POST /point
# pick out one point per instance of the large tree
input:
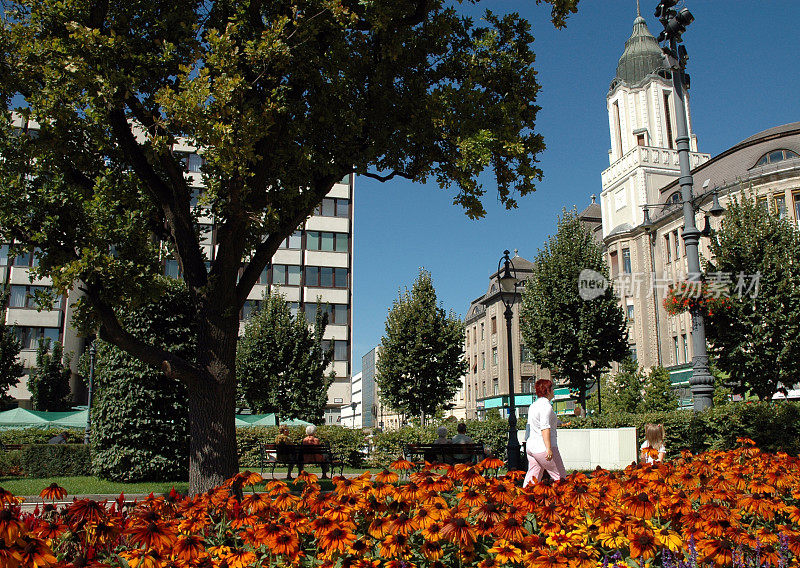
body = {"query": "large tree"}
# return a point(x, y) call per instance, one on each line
point(281, 362)
point(48, 383)
point(623, 391)
point(658, 392)
point(11, 368)
point(756, 339)
point(421, 361)
point(576, 338)
point(283, 99)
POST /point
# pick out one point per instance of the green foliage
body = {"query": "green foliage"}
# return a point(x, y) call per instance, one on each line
point(55, 460)
point(421, 353)
point(775, 426)
point(273, 93)
point(49, 381)
point(38, 435)
point(576, 339)
point(10, 462)
point(280, 362)
point(659, 396)
point(11, 368)
point(139, 416)
point(722, 392)
point(623, 392)
point(756, 340)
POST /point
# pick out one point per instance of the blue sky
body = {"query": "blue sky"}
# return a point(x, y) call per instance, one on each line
point(745, 78)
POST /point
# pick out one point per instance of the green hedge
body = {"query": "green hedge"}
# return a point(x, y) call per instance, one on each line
point(10, 463)
point(55, 460)
point(39, 435)
point(774, 426)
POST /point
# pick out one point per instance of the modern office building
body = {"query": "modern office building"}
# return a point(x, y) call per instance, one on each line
point(313, 265)
point(643, 173)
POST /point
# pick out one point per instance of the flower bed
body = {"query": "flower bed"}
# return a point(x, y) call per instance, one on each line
point(717, 508)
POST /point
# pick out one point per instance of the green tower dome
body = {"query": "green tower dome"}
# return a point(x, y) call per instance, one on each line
point(642, 55)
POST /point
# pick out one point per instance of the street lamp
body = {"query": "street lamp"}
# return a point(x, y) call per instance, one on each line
point(353, 405)
point(675, 22)
point(92, 353)
point(508, 292)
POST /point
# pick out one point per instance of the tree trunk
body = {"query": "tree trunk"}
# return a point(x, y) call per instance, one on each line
point(213, 455)
point(212, 450)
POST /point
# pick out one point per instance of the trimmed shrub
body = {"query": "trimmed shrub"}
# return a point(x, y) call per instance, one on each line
point(39, 435)
point(10, 462)
point(55, 460)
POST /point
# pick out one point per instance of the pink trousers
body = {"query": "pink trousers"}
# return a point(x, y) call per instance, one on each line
point(537, 464)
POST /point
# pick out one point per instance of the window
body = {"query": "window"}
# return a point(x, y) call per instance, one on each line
point(677, 243)
point(629, 308)
point(326, 277)
point(483, 387)
point(324, 241)
point(495, 387)
point(796, 198)
point(494, 356)
point(286, 275)
point(337, 313)
point(467, 340)
point(25, 297)
point(483, 360)
point(675, 342)
point(762, 202)
point(340, 349)
point(776, 156)
point(667, 248)
point(626, 260)
point(618, 128)
point(483, 335)
point(23, 259)
point(525, 354)
point(527, 385)
point(189, 161)
point(634, 356)
point(685, 348)
point(333, 207)
point(29, 337)
point(263, 278)
point(172, 269)
point(612, 262)
point(640, 140)
point(494, 325)
point(293, 241)
point(780, 206)
point(670, 143)
point(250, 307)
point(4, 255)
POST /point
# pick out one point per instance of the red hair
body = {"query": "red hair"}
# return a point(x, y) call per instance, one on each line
point(543, 386)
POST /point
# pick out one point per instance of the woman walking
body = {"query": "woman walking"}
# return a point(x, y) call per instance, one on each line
point(542, 444)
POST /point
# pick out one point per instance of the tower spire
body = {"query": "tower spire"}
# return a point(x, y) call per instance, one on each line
point(638, 11)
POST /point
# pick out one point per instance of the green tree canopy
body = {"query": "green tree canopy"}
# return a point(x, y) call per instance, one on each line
point(755, 340)
point(49, 381)
point(281, 362)
point(11, 368)
point(576, 338)
point(658, 392)
point(283, 99)
point(140, 419)
point(421, 360)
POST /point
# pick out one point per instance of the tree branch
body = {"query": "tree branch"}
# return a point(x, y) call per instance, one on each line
point(111, 330)
point(395, 173)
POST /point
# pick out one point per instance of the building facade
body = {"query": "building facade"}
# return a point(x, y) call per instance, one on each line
point(643, 174)
point(314, 265)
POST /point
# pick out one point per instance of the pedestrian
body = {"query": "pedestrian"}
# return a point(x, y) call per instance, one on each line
point(542, 445)
point(653, 448)
point(311, 439)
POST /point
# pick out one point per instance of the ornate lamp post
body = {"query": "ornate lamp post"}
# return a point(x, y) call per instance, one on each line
point(675, 22)
point(92, 353)
point(508, 293)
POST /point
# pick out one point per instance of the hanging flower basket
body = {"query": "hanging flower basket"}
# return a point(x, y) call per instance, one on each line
point(687, 295)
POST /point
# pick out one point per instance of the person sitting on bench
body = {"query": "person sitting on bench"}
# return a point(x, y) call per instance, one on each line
point(461, 438)
point(312, 440)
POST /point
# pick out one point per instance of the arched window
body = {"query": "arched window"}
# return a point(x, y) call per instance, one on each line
point(674, 198)
point(776, 156)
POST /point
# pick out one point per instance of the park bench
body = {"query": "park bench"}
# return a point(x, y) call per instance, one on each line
point(443, 453)
point(10, 447)
point(298, 455)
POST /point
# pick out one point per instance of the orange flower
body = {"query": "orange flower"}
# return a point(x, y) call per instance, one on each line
point(506, 552)
point(336, 540)
point(10, 526)
point(511, 529)
point(639, 505)
point(53, 492)
point(401, 464)
point(718, 550)
point(642, 543)
point(394, 545)
point(459, 531)
point(34, 553)
point(188, 547)
point(87, 510)
point(432, 549)
point(387, 476)
point(286, 543)
point(152, 535)
point(138, 558)
point(545, 559)
point(240, 558)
